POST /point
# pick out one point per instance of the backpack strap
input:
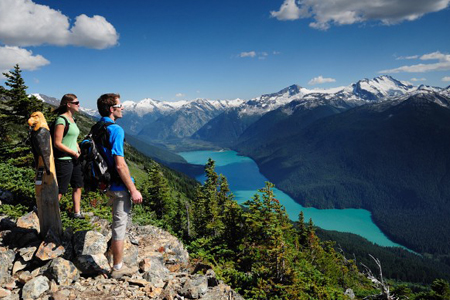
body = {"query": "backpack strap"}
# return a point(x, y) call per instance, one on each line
point(100, 134)
point(66, 124)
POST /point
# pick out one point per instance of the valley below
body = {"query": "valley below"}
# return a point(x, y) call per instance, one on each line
point(245, 179)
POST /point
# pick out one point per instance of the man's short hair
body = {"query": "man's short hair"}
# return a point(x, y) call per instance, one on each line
point(105, 102)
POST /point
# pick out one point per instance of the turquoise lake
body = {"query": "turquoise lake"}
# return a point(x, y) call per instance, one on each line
point(245, 179)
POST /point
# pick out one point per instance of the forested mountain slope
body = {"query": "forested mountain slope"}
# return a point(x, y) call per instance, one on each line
point(390, 158)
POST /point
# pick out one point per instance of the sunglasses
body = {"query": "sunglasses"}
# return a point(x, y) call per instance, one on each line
point(117, 105)
point(75, 102)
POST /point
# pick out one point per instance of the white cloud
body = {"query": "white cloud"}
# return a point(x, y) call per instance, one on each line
point(276, 53)
point(407, 57)
point(343, 12)
point(418, 79)
point(443, 64)
point(25, 23)
point(93, 32)
point(248, 54)
point(179, 95)
point(10, 56)
point(320, 80)
point(261, 55)
point(288, 11)
point(446, 79)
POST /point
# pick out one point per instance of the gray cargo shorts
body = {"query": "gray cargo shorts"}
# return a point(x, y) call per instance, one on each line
point(121, 202)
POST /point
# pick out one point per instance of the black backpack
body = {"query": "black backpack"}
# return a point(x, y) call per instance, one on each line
point(56, 152)
point(96, 172)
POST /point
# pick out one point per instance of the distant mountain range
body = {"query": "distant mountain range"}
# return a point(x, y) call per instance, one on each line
point(158, 120)
point(379, 144)
point(154, 120)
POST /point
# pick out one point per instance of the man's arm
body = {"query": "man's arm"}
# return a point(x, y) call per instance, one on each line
point(124, 173)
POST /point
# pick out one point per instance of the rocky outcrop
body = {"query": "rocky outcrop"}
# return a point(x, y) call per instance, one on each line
point(77, 266)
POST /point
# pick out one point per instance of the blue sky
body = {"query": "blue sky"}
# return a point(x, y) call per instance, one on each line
point(174, 50)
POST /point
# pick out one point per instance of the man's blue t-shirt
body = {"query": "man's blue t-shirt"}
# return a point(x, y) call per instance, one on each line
point(116, 140)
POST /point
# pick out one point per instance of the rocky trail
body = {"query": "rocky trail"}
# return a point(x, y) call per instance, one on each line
point(77, 266)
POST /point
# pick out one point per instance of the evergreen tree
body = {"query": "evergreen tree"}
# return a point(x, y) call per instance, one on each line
point(267, 246)
point(440, 290)
point(158, 200)
point(301, 229)
point(21, 105)
point(3, 114)
point(209, 203)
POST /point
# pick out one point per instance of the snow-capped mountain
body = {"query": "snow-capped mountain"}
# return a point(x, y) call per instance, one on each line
point(304, 104)
point(381, 87)
point(171, 118)
point(186, 119)
point(165, 119)
point(148, 105)
point(47, 99)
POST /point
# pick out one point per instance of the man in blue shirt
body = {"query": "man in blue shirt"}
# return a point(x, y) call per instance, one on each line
point(122, 190)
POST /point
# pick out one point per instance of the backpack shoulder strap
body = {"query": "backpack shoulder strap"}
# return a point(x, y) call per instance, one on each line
point(66, 124)
point(99, 132)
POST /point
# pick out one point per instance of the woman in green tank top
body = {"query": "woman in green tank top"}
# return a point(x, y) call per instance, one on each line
point(66, 151)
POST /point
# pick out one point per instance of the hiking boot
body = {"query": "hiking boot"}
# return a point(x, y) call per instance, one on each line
point(124, 271)
point(78, 215)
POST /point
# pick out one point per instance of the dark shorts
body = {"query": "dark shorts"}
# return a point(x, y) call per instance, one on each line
point(68, 171)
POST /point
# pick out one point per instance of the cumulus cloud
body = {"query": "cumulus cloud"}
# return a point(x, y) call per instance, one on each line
point(418, 79)
point(10, 56)
point(25, 23)
point(443, 64)
point(93, 32)
point(320, 80)
point(288, 11)
point(248, 54)
point(179, 95)
point(343, 12)
point(446, 79)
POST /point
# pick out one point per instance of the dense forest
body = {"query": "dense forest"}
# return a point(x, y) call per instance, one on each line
point(255, 248)
point(390, 158)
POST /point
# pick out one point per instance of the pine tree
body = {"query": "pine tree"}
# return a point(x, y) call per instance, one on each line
point(268, 245)
point(22, 106)
point(301, 229)
point(157, 196)
point(206, 206)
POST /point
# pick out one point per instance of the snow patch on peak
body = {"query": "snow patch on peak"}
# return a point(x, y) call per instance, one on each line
point(380, 87)
point(38, 96)
point(128, 103)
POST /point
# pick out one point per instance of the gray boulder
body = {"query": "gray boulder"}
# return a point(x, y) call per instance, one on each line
point(90, 248)
point(92, 264)
point(63, 271)
point(156, 273)
point(195, 287)
point(6, 259)
point(35, 287)
point(89, 243)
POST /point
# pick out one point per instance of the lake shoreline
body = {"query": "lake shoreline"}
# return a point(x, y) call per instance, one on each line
point(245, 178)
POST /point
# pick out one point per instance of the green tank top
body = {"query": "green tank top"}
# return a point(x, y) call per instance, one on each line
point(70, 139)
